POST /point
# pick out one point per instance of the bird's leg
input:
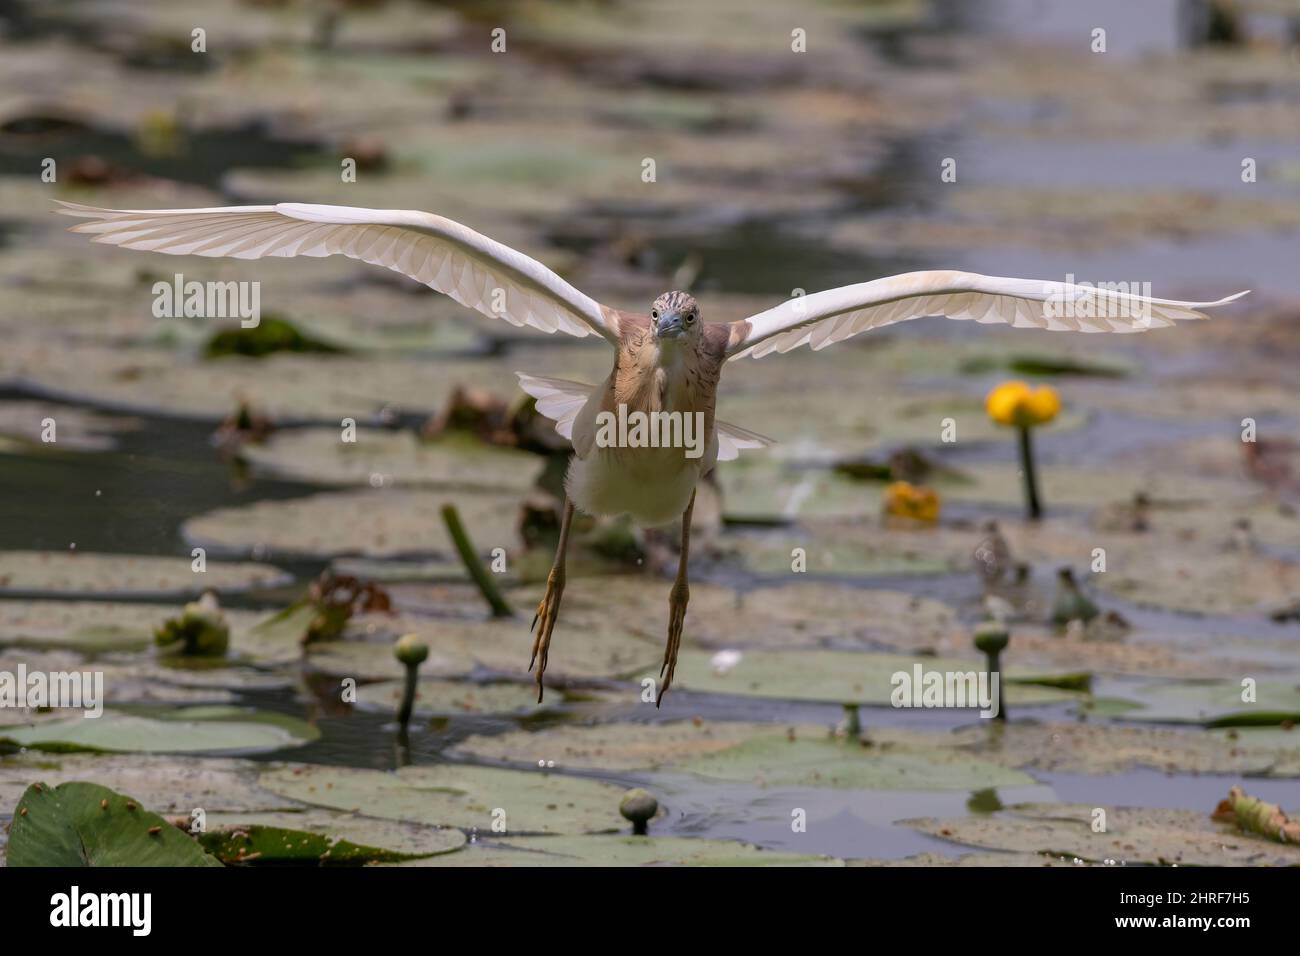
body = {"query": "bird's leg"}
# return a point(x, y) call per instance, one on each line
point(549, 607)
point(677, 601)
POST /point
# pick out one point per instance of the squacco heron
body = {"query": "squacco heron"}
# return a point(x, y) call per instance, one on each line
point(667, 361)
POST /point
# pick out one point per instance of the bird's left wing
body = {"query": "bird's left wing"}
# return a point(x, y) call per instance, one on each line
point(825, 318)
point(476, 271)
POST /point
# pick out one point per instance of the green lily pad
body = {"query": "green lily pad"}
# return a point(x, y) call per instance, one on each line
point(855, 548)
point(83, 824)
point(65, 573)
point(1000, 483)
point(318, 456)
point(459, 796)
point(1217, 703)
point(323, 838)
point(612, 747)
point(585, 645)
point(176, 785)
point(1132, 836)
point(1101, 748)
point(75, 429)
point(817, 760)
point(615, 850)
point(835, 676)
point(435, 697)
point(995, 859)
point(189, 730)
point(375, 523)
point(1203, 582)
point(760, 754)
point(95, 627)
point(812, 612)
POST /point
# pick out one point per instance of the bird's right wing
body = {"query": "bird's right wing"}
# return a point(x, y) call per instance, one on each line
point(476, 271)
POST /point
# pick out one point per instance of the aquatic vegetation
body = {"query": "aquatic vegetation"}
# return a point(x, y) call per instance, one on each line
point(905, 500)
point(638, 807)
point(1016, 405)
point(200, 630)
point(84, 824)
point(410, 653)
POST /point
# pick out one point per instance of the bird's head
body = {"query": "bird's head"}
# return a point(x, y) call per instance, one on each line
point(675, 315)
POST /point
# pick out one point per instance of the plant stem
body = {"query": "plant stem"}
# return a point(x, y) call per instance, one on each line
point(994, 666)
point(408, 695)
point(480, 575)
point(1031, 477)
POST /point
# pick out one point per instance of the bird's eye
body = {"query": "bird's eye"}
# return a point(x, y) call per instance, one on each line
point(690, 317)
point(654, 313)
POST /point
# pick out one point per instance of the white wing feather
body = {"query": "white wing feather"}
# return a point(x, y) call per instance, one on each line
point(444, 255)
point(557, 399)
point(828, 317)
point(561, 400)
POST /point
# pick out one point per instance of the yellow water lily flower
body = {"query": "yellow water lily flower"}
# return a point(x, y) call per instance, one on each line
point(1015, 403)
point(905, 500)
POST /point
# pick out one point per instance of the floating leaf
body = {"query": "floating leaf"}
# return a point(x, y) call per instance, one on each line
point(836, 676)
point(374, 523)
point(1164, 837)
point(1217, 703)
point(76, 573)
point(444, 697)
point(458, 796)
point(191, 730)
point(316, 456)
point(84, 824)
point(169, 784)
point(614, 850)
point(323, 838)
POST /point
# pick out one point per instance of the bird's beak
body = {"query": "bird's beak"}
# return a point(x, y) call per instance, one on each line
point(668, 325)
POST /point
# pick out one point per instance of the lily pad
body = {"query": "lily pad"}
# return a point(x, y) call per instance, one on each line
point(435, 697)
point(836, 676)
point(75, 429)
point(401, 458)
point(1217, 703)
point(176, 785)
point(460, 796)
point(1132, 836)
point(1197, 581)
point(83, 824)
point(760, 754)
point(615, 850)
point(94, 627)
point(322, 838)
point(1100, 748)
point(189, 730)
point(585, 645)
point(856, 548)
point(376, 523)
point(64, 573)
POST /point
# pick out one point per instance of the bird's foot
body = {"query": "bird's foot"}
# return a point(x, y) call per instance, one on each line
point(681, 595)
point(548, 610)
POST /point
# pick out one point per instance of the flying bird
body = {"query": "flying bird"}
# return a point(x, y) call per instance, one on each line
point(666, 360)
